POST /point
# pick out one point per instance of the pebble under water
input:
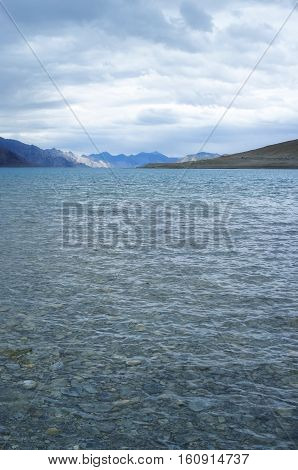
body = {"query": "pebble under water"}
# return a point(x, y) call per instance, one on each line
point(153, 346)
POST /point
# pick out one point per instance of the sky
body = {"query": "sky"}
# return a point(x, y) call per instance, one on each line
point(149, 75)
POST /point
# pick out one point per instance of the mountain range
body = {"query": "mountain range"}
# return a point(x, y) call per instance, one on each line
point(30, 155)
point(15, 153)
point(282, 155)
point(131, 161)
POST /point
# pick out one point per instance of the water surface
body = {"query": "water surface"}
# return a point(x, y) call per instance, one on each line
point(154, 345)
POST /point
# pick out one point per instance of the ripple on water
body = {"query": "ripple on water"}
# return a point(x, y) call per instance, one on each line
point(163, 347)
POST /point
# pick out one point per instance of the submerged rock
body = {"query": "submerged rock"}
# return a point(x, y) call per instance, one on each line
point(72, 392)
point(125, 402)
point(15, 354)
point(57, 365)
point(53, 431)
point(3, 430)
point(153, 388)
point(197, 404)
point(13, 366)
point(90, 389)
point(28, 365)
point(284, 412)
point(3, 309)
point(29, 384)
point(140, 327)
point(107, 427)
point(133, 362)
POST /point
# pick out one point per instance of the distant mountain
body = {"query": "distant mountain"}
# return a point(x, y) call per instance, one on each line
point(283, 155)
point(11, 159)
point(198, 156)
point(131, 161)
point(15, 153)
point(35, 156)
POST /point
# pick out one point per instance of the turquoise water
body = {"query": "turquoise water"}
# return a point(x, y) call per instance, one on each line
point(136, 336)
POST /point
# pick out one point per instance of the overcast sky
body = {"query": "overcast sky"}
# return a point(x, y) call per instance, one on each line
point(146, 75)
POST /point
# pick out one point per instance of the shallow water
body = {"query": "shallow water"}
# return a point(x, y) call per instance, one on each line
point(154, 344)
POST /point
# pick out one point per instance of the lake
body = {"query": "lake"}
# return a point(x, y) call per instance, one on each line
point(148, 309)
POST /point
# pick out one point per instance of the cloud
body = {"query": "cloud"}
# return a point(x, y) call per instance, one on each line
point(157, 117)
point(252, 33)
point(148, 75)
point(119, 18)
point(195, 17)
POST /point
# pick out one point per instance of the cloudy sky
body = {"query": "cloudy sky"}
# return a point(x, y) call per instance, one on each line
point(149, 75)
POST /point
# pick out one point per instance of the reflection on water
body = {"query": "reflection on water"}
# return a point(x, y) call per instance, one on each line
point(148, 347)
